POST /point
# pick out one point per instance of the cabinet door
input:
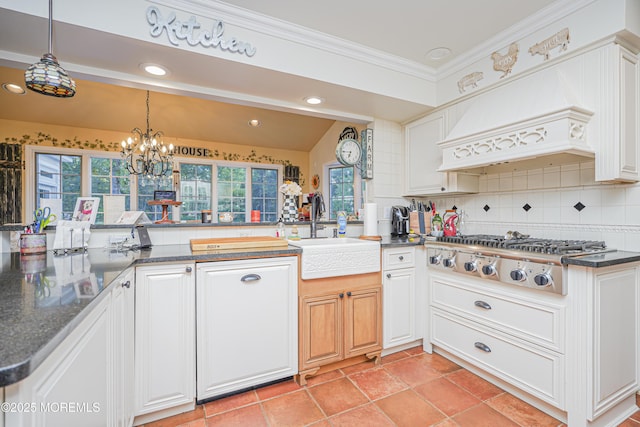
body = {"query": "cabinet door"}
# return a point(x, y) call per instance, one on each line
point(165, 337)
point(363, 317)
point(321, 330)
point(399, 318)
point(77, 373)
point(247, 324)
point(424, 157)
point(123, 352)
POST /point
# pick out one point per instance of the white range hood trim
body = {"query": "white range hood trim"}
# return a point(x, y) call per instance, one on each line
point(557, 132)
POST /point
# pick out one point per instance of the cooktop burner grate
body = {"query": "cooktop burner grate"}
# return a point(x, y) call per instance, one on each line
point(528, 244)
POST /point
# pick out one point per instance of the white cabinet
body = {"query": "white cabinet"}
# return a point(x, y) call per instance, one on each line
point(82, 383)
point(403, 302)
point(424, 157)
point(164, 340)
point(247, 324)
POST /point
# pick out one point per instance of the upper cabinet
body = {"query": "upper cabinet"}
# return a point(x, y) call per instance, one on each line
point(424, 157)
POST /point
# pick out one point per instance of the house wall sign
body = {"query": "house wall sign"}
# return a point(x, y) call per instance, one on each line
point(191, 33)
point(192, 151)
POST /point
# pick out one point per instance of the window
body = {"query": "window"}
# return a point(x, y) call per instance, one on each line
point(341, 190)
point(264, 193)
point(109, 177)
point(195, 190)
point(146, 187)
point(58, 177)
point(232, 197)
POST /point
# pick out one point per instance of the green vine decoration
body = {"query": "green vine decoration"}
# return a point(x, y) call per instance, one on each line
point(98, 144)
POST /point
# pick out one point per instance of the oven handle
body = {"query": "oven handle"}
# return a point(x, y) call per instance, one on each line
point(482, 304)
point(482, 347)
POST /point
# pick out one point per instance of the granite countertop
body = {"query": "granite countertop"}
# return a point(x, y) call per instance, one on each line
point(44, 297)
point(390, 242)
point(604, 259)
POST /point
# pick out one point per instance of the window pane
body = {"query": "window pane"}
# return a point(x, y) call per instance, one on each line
point(231, 187)
point(146, 187)
point(341, 191)
point(58, 177)
point(195, 190)
point(264, 193)
point(109, 177)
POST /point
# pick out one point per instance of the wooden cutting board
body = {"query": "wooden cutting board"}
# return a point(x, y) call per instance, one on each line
point(238, 243)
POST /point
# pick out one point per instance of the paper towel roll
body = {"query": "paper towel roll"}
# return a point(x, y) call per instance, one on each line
point(370, 219)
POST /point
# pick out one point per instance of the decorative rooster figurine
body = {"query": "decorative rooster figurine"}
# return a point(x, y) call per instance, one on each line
point(505, 62)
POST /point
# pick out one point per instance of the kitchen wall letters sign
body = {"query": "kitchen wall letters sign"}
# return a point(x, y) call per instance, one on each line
point(177, 30)
point(366, 170)
point(470, 80)
point(192, 151)
point(505, 62)
point(561, 38)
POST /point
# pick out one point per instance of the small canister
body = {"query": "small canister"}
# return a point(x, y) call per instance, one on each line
point(255, 216)
point(206, 216)
point(33, 243)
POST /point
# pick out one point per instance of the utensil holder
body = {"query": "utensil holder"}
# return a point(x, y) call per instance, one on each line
point(33, 243)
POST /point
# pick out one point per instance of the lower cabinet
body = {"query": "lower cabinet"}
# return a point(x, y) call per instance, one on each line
point(247, 324)
point(86, 379)
point(341, 321)
point(165, 361)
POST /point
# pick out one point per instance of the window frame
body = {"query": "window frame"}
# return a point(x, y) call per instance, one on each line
point(326, 187)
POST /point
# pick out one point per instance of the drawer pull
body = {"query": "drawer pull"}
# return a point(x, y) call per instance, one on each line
point(482, 347)
point(250, 278)
point(401, 258)
point(482, 304)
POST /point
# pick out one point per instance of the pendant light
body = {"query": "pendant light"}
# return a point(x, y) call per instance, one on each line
point(47, 76)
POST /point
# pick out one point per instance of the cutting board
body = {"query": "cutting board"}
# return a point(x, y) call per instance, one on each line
point(238, 243)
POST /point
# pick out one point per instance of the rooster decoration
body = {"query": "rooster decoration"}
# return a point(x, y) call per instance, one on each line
point(505, 62)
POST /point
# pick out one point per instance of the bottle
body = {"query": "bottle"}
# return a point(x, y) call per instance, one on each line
point(436, 225)
point(280, 231)
point(342, 224)
point(294, 233)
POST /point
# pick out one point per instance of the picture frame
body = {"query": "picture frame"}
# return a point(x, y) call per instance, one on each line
point(87, 287)
point(86, 209)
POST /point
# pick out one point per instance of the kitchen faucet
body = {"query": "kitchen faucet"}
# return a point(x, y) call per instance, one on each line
point(317, 208)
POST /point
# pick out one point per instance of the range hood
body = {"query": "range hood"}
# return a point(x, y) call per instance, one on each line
point(528, 118)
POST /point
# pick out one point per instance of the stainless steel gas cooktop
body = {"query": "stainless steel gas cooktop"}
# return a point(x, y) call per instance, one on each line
point(514, 259)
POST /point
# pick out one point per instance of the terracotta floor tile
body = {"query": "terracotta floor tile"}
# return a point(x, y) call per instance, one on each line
point(179, 419)
point(293, 409)
point(323, 378)
point(635, 416)
point(475, 385)
point(277, 389)
point(629, 423)
point(482, 416)
point(413, 370)
point(415, 350)
point(369, 415)
point(447, 396)
point(200, 422)
point(407, 409)
point(229, 403)
point(359, 367)
point(394, 357)
point(377, 383)
point(243, 417)
point(337, 396)
point(521, 412)
point(447, 423)
point(439, 363)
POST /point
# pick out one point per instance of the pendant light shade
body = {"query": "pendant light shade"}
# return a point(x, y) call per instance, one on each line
point(47, 76)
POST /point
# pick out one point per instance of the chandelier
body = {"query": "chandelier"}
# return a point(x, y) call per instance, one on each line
point(47, 76)
point(145, 152)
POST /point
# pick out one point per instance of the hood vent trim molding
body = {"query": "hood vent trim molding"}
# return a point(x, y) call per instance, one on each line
point(561, 131)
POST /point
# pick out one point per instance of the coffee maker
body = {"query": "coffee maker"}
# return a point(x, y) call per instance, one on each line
point(399, 221)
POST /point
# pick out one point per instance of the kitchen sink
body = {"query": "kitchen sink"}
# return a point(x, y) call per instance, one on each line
point(331, 257)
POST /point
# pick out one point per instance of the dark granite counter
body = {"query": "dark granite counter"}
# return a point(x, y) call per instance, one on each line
point(390, 242)
point(44, 297)
point(604, 259)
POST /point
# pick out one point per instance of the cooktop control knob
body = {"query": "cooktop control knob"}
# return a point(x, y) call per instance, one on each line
point(435, 259)
point(519, 275)
point(489, 270)
point(449, 262)
point(471, 266)
point(543, 279)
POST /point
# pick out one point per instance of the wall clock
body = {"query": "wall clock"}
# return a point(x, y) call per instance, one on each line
point(348, 152)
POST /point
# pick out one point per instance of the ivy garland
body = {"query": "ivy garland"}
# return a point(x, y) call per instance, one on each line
point(98, 144)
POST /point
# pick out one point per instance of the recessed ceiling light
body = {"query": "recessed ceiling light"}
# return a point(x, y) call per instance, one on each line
point(154, 69)
point(438, 53)
point(254, 123)
point(13, 88)
point(313, 100)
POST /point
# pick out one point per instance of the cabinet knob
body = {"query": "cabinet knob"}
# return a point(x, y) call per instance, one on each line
point(388, 275)
point(126, 284)
point(401, 258)
point(189, 269)
point(349, 293)
point(442, 188)
point(341, 295)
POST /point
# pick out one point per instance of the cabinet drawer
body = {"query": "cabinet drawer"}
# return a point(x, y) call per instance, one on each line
point(527, 319)
point(536, 371)
point(398, 258)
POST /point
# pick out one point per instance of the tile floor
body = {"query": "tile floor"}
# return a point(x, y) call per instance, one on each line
point(409, 388)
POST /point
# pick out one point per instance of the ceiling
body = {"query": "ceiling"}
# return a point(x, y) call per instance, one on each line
point(188, 104)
